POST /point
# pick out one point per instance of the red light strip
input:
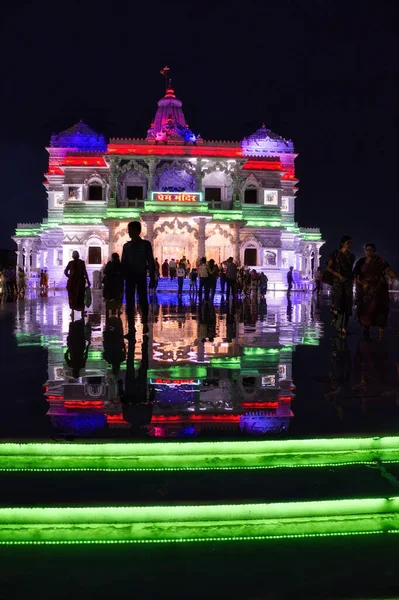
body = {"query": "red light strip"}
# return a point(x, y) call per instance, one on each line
point(116, 419)
point(197, 418)
point(84, 161)
point(83, 404)
point(175, 381)
point(259, 404)
point(263, 165)
point(164, 149)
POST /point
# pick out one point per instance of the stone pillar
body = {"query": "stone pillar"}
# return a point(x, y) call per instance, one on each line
point(237, 180)
point(237, 227)
point(28, 247)
point(19, 254)
point(201, 236)
point(150, 220)
point(198, 174)
point(152, 165)
point(113, 187)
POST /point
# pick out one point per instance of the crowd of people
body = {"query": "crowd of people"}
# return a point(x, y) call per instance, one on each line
point(12, 284)
point(369, 276)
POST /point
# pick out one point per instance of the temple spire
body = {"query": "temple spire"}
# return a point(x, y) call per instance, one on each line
point(168, 81)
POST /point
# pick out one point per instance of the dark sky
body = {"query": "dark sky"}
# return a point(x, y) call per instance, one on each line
point(321, 72)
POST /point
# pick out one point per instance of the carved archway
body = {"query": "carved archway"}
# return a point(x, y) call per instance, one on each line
point(175, 226)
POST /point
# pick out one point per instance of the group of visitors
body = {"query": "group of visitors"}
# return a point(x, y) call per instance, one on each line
point(12, 284)
point(369, 275)
point(170, 268)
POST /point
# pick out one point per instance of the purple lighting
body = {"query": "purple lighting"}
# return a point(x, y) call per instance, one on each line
point(79, 137)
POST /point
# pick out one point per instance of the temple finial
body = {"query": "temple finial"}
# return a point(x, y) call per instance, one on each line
point(165, 73)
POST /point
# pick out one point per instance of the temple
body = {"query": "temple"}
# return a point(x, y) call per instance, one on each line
point(194, 198)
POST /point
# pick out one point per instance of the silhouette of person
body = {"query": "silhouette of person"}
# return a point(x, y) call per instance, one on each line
point(114, 344)
point(137, 403)
point(137, 259)
point(78, 347)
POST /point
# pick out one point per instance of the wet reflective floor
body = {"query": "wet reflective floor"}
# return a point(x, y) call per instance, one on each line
point(217, 371)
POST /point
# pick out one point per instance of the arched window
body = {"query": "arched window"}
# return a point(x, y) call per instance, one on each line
point(94, 256)
point(251, 195)
point(250, 257)
point(95, 192)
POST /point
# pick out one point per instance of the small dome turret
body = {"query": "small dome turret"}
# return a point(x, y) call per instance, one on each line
point(79, 137)
point(265, 143)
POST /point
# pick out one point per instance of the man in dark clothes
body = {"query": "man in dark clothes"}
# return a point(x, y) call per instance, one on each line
point(137, 259)
point(136, 398)
point(290, 279)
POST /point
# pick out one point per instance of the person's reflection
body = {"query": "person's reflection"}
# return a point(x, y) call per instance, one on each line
point(211, 322)
point(340, 375)
point(114, 344)
point(289, 308)
point(372, 371)
point(78, 347)
point(231, 323)
point(262, 309)
point(137, 405)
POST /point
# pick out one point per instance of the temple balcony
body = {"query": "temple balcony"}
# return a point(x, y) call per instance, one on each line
point(129, 203)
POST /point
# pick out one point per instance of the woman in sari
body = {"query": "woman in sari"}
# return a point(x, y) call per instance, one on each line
point(340, 265)
point(113, 284)
point(372, 290)
point(77, 280)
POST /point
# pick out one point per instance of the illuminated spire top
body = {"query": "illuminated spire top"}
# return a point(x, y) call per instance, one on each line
point(169, 122)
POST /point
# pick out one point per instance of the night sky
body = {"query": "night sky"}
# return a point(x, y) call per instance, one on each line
point(321, 72)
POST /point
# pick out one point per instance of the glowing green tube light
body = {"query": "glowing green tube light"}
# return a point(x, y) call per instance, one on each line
point(197, 455)
point(146, 524)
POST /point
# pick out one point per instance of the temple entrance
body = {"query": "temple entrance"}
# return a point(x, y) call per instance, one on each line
point(169, 252)
point(213, 252)
point(250, 257)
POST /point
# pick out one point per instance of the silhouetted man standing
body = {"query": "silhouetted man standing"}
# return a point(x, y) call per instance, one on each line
point(290, 279)
point(137, 259)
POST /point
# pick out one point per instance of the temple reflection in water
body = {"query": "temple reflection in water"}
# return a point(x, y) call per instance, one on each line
point(216, 370)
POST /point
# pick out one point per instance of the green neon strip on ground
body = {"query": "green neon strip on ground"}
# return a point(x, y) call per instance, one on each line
point(198, 523)
point(198, 455)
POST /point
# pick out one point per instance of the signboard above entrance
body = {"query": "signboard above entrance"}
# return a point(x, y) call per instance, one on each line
point(176, 196)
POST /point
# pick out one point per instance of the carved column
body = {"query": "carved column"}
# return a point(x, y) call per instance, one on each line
point(152, 165)
point(237, 227)
point(19, 254)
point(237, 180)
point(198, 174)
point(113, 182)
point(28, 246)
point(201, 236)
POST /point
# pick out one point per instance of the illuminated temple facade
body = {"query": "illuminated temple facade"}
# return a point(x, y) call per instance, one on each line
point(193, 197)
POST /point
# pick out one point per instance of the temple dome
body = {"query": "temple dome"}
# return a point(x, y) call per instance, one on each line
point(80, 137)
point(265, 143)
point(169, 122)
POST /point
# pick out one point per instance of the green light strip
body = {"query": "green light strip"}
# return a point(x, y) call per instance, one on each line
point(160, 469)
point(253, 538)
point(199, 523)
point(198, 455)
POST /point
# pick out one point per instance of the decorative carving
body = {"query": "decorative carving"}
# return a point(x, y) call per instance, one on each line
point(175, 226)
point(175, 176)
point(219, 229)
point(250, 181)
point(251, 239)
point(175, 164)
point(132, 165)
point(217, 166)
point(95, 176)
